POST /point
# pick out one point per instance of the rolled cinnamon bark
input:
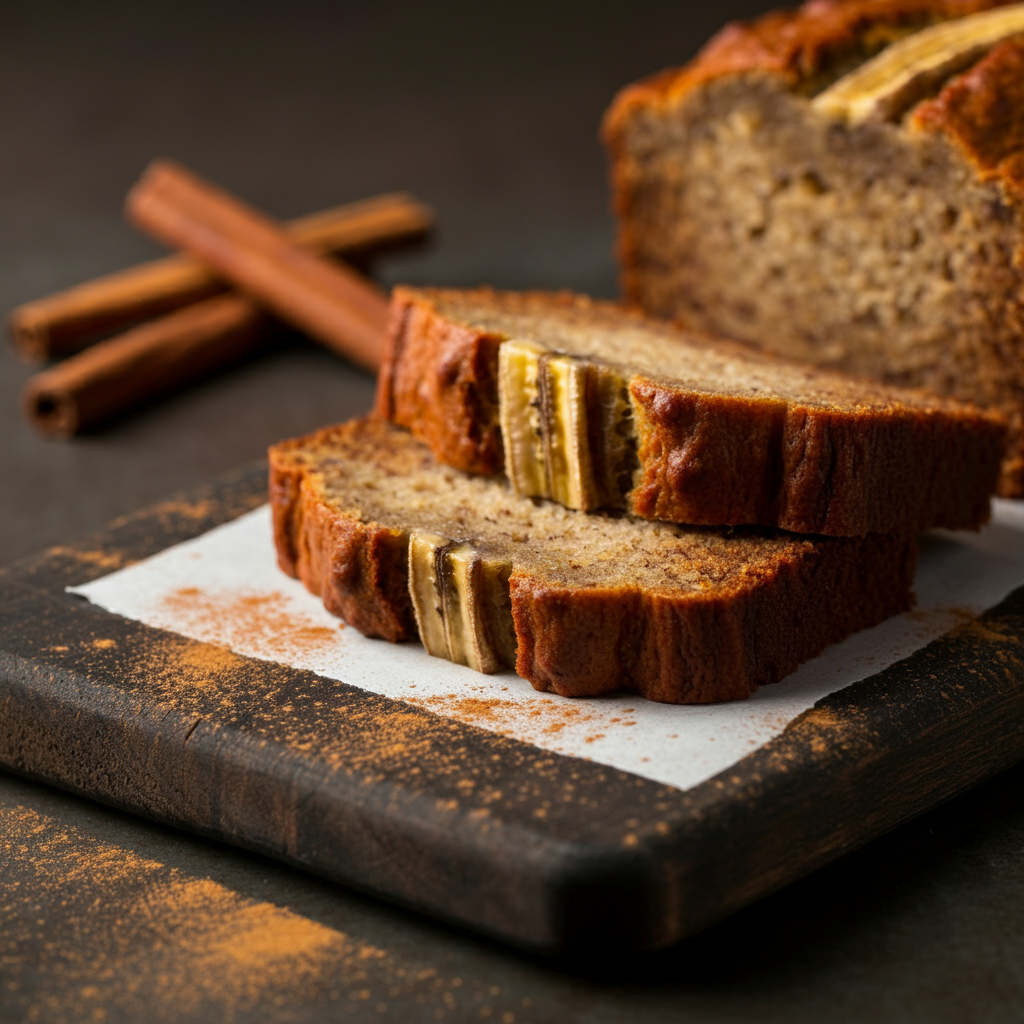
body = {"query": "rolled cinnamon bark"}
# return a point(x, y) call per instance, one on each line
point(332, 303)
point(121, 373)
point(66, 321)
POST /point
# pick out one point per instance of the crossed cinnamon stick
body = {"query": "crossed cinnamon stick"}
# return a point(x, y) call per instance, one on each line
point(225, 241)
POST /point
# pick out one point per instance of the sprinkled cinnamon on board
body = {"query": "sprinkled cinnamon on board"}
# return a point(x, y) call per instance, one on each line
point(201, 508)
point(199, 695)
point(263, 623)
point(525, 720)
point(249, 621)
point(108, 560)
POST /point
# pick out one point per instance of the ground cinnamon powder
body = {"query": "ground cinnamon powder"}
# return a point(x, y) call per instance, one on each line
point(91, 929)
point(249, 620)
point(264, 622)
point(543, 716)
point(146, 935)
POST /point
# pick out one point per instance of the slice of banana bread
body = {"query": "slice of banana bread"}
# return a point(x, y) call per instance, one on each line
point(595, 406)
point(843, 184)
point(399, 545)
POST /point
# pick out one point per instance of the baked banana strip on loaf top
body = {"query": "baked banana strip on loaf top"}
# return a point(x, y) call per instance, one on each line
point(595, 406)
point(401, 546)
point(843, 184)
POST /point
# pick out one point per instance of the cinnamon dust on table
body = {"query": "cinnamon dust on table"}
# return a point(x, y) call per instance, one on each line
point(112, 559)
point(944, 618)
point(91, 929)
point(198, 508)
point(549, 715)
point(190, 690)
point(194, 689)
point(146, 937)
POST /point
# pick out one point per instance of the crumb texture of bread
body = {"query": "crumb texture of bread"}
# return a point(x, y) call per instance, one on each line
point(716, 432)
point(890, 249)
point(597, 602)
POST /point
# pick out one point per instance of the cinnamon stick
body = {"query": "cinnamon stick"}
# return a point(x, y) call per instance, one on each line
point(123, 372)
point(66, 321)
point(333, 304)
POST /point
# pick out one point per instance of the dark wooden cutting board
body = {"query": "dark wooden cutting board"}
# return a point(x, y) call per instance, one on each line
point(546, 851)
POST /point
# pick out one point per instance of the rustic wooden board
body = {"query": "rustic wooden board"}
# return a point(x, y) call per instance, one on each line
point(546, 851)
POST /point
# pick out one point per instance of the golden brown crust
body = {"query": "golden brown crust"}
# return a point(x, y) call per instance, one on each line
point(708, 647)
point(982, 113)
point(358, 569)
point(794, 45)
point(692, 645)
point(709, 458)
point(440, 379)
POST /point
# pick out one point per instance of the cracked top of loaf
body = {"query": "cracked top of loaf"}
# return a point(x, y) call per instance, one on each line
point(809, 46)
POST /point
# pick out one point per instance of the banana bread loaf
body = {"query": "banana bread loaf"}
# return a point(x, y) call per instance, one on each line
point(843, 184)
point(399, 545)
point(597, 406)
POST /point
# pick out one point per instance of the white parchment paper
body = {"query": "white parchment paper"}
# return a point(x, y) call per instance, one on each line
point(225, 588)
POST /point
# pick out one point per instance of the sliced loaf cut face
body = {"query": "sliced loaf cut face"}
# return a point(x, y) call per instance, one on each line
point(842, 184)
point(596, 406)
point(402, 546)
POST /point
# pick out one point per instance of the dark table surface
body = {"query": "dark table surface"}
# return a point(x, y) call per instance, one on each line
point(490, 113)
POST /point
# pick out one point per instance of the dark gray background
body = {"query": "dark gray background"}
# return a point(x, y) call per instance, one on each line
point(489, 111)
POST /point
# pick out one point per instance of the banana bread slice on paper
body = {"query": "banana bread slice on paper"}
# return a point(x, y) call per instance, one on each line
point(401, 546)
point(843, 184)
point(596, 406)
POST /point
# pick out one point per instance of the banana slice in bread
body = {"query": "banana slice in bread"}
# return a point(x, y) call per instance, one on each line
point(455, 592)
point(542, 401)
point(886, 86)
